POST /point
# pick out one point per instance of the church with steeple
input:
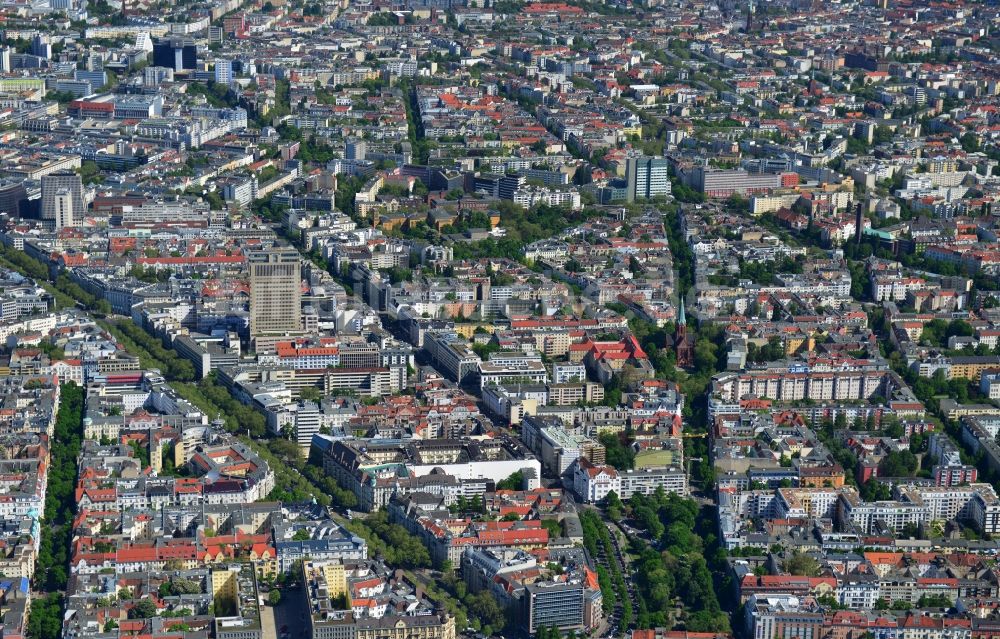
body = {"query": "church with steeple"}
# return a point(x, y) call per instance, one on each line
point(682, 342)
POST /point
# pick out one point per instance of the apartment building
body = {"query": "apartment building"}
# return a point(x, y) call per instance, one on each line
point(524, 370)
point(795, 382)
point(722, 183)
point(454, 357)
point(779, 616)
point(592, 482)
point(448, 539)
point(646, 177)
point(376, 470)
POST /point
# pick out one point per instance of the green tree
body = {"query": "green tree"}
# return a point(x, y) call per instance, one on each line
point(802, 564)
point(898, 464)
point(614, 505)
point(515, 481)
point(969, 142)
point(310, 394)
point(618, 450)
point(144, 609)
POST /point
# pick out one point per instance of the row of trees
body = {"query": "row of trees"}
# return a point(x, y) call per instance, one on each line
point(65, 285)
point(136, 340)
point(707, 361)
point(678, 576)
point(295, 479)
point(597, 540)
point(66, 292)
point(391, 541)
point(414, 125)
point(289, 484)
point(45, 619)
point(20, 261)
point(238, 417)
point(483, 612)
point(316, 476)
point(50, 575)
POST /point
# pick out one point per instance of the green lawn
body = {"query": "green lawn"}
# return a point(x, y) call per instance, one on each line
point(651, 458)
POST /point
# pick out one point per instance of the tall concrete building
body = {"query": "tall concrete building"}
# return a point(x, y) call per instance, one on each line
point(13, 193)
point(553, 605)
point(53, 186)
point(646, 177)
point(64, 209)
point(223, 71)
point(275, 296)
point(41, 46)
point(356, 149)
point(175, 53)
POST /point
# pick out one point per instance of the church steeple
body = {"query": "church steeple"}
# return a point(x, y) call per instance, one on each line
point(682, 343)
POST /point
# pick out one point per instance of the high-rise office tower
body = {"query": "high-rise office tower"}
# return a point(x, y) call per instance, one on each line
point(153, 76)
point(41, 46)
point(175, 53)
point(223, 71)
point(356, 149)
point(275, 294)
point(52, 185)
point(12, 196)
point(64, 209)
point(646, 177)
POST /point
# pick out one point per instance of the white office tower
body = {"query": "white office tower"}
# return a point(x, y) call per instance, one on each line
point(52, 185)
point(356, 149)
point(153, 76)
point(143, 42)
point(64, 209)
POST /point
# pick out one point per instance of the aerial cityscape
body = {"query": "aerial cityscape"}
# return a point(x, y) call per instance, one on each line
point(499, 319)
